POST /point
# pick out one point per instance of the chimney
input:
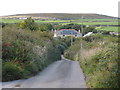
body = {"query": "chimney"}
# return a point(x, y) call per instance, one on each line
point(55, 35)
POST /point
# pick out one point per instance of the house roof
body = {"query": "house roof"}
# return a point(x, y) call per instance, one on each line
point(68, 32)
point(67, 29)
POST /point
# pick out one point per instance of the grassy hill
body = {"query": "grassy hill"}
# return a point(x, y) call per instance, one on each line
point(62, 16)
point(91, 19)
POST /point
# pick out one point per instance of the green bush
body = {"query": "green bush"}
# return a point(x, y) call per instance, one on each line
point(71, 26)
point(3, 24)
point(29, 23)
point(16, 51)
point(11, 71)
point(101, 68)
point(45, 27)
point(32, 68)
point(105, 63)
point(104, 32)
point(91, 38)
point(27, 52)
point(89, 29)
point(61, 48)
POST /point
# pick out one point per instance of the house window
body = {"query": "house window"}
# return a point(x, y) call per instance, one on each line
point(75, 35)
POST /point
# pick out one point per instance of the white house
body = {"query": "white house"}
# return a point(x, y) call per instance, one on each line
point(67, 32)
point(23, 18)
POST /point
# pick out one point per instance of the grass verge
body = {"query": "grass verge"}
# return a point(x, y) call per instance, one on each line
point(98, 59)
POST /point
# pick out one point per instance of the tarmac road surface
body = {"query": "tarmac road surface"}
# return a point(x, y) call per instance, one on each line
point(60, 74)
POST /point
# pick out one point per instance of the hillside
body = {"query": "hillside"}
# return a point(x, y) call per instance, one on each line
point(62, 16)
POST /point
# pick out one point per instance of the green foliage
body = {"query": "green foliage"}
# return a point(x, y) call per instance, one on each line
point(22, 24)
point(61, 48)
point(3, 24)
point(105, 32)
point(77, 21)
point(72, 51)
point(71, 26)
point(108, 28)
point(99, 60)
point(91, 38)
point(89, 29)
point(11, 71)
point(104, 63)
point(45, 27)
point(32, 68)
point(25, 52)
point(67, 40)
point(16, 48)
point(29, 23)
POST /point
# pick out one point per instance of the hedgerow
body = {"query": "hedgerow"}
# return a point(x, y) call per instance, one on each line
point(99, 58)
point(25, 52)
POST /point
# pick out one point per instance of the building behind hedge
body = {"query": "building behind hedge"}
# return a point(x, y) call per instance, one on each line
point(67, 32)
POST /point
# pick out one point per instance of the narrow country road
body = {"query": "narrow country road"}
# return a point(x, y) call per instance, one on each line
point(60, 74)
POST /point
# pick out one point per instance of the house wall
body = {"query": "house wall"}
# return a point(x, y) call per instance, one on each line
point(58, 34)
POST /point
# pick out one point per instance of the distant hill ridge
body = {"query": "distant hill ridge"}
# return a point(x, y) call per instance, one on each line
point(62, 16)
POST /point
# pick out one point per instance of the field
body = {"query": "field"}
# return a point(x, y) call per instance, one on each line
point(100, 23)
point(90, 22)
point(85, 21)
point(115, 29)
point(10, 20)
point(79, 21)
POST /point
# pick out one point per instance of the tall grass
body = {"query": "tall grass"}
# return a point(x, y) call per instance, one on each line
point(98, 59)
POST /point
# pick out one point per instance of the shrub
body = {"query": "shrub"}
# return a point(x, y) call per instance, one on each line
point(61, 48)
point(3, 24)
point(17, 51)
point(104, 32)
point(32, 68)
point(89, 29)
point(101, 68)
point(11, 71)
point(71, 26)
point(29, 23)
point(93, 37)
point(45, 27)
point(25, 52)
point(106, 64)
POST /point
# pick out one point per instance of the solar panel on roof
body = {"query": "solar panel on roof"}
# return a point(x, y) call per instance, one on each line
point(68, 32)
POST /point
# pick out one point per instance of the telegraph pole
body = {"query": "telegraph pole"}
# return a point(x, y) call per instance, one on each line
point(71, 39)
point(81, 38)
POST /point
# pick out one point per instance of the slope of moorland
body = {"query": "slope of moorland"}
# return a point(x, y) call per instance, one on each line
point(62, 16)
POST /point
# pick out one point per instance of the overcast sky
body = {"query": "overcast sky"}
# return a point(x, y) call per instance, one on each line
point(105, 7)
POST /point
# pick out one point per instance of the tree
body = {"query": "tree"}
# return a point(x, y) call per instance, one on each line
point(45, 27)
point(3, 24)
point(89, 29)
point(72, 26)
point(29, 23)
